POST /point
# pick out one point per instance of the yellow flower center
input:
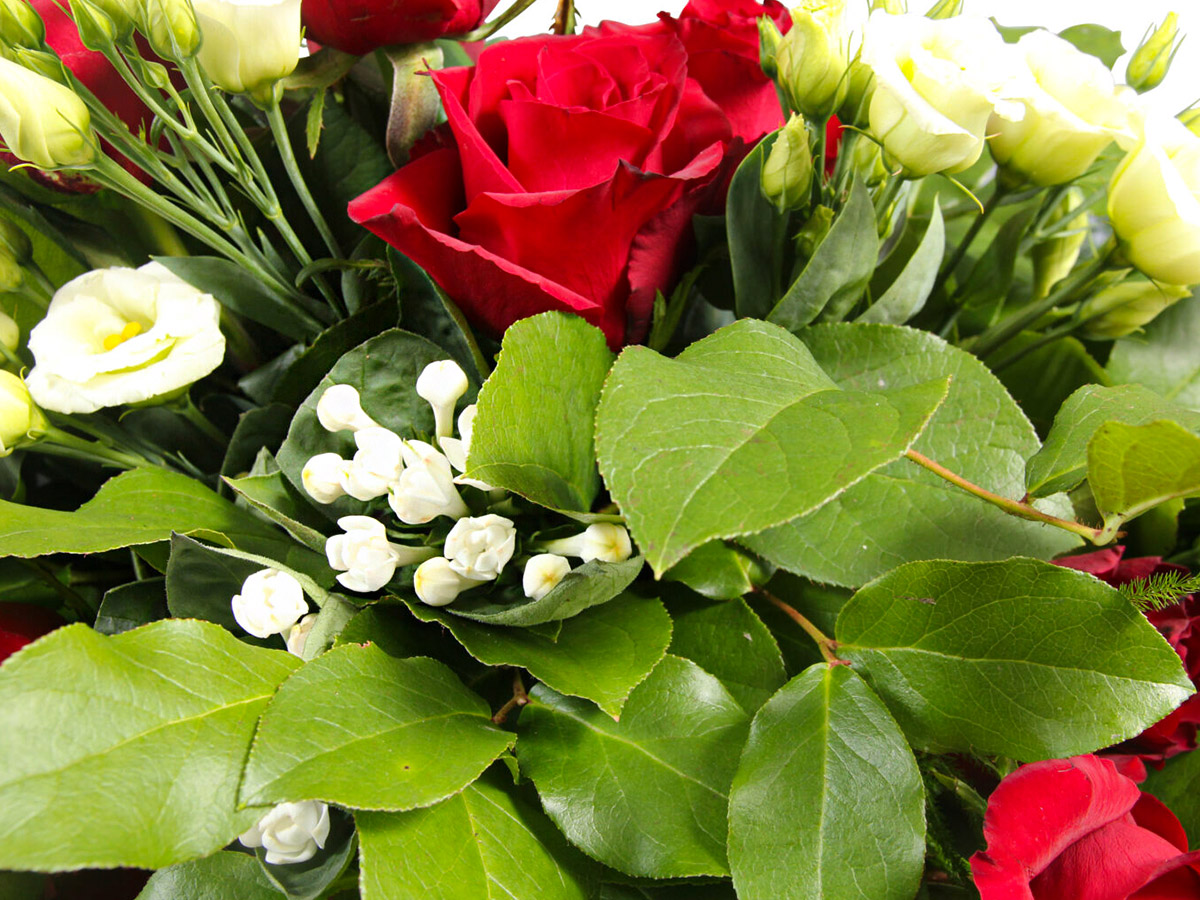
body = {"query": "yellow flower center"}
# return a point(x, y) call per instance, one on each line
point(116, 339)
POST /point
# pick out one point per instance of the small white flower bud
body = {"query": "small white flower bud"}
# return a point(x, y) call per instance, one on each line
point(376, 466)
point(323, 475)
point(602, 541)
point(291, 832)
point(478, 548)
point(437, 584)
point(297, 635)
point(270, 603)
point(441, 384)
point(425, 489)
point(10, 334)
point(543, 573)
point(364, 555)
point(340, 409)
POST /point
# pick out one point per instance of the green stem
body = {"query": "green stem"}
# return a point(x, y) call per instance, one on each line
point(44, 286)
point(964, 245)
point(486, 30)
point(56, 439)
point(824, 643)
point(166, 239)
point(192, 413)
point(73, 600)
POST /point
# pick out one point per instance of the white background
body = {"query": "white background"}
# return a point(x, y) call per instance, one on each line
point(1180, 90)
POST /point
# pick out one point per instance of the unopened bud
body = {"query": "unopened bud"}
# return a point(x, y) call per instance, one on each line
point(440, 384)
point(340, 409)
point(10, 334)
point(249, 47)
point(543, 573)
point(122, 13)
point(21, 421)
point(96, 29)
point(856, 105)
point(813, 58)
point(42, 62)
point(43, 122)
point(814, 231)
point(1152, 59)
point(171, 28)
point(787, 174)
point(437, 584)
point(1054, 259)
point(1191, 120)
point(602, 541)
point(769, 40)
point(867, 160)
point(323, 476)
point(945, 9)
point(20, 25)
point(1124, 308)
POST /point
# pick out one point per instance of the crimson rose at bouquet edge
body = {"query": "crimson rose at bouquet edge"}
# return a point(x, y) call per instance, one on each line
point(24, 623)
point(1077, 829)
point(361, 26)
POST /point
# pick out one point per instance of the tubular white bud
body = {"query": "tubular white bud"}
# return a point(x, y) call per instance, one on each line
point(440, 384)
point(543, 573)
point(437, 584)
point(376, 466)
point(602, 541)
point(425, 489)
point(340, 409)
point(479, 548)
point(364, 555)
point(323, 475)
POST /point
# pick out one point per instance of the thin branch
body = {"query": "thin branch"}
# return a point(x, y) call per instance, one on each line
point(518, 699)
point(825, 643)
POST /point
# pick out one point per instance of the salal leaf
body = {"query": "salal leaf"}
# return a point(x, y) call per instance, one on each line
point(1164, 356)
point(1177, 785)
point(827, 800)
point(362, 729)
point(218, 877)
point(903, 512)
point(1096, 40)
point(601, 654)
point(994, 658)
point(98, 744)
point(484, 843)
point(1133, 468)
point(757, 236)
point(533, 431)
point(132, 605)
point(646, 795)
point(906, 295)
point(273, 496)
point(740, 432)
point(1062, 463)
point(720, 571)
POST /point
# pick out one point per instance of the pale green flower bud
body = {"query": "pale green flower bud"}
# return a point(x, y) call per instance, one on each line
point(122, 13)
point(40, 62)
point(20, 25)
point(14, 250)
point(248, 47)
point(43, 122)
point(171, 27)
point(1054, 259)
point(96, 29)
point(769, 40)
point(944, 9)
point(10, 334)
point(1150, 61)
point(1124, 308)
point(867, 160)
point(21, 422)
point(856, 105)
point(813, 58)
point(1191, 120)
point(788, 171)
point(814, 231)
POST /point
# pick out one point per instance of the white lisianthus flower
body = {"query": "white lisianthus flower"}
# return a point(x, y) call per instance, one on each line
point(340, 409)
point(20, 419)
point(297, 635)
point(1154, 202)
point(425, 489)
point(603, 541)
point(43, 122)
point(1073, 110)
point(117, 336)
point(291, 832)
point(248, 45)
point(479, 547)
point(440, 384)
point(937, 82)
point(437, 584)
point(364, 555)
point(456, 449)
point(323, 475)
point(543, 573)
point(376, 466)
point(271, 602)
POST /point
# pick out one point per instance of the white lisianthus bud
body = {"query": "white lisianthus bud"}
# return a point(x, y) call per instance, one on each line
point(787, 173)
point(170, 27)
point(43, 122)
point(340, 409)
point(248, 45)
point(323, 475)
point(364, 555)
point(1152, 59)
point(1124, 308)
point(297, 635)
point(21, 422)
point(437, 584)
point(271, 602)
point(122, 13)
point(291, 832)
point(376, 466)
point(1054, 259)
point(543, 573)
point(478, 548)
point(441, 384)
point(937, 82)
point(813, 57)
point(1154, 202)
point(425, 489)
point(10, 334)
point(603, 541)
point(20, 25)
point(115, 336)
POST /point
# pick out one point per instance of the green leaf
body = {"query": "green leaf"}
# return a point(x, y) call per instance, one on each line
point(646, 795)
point(98, 744)
point(361, 729)
point(258, 429)
point(903, 512)
point(426, 311)
point(839, 270)
point(600, 654)
point(994, 658)
point(1177, 785)
point(274, 496)
point(827, 800)
point(141, 506)
point(485, 843)
point(132, 605)
point(985, 290)
point(728, 640)
point(1096, 40)
point(757, 236)
point(1042, 380)
point(533, 432)
point(222, 876)
point(719, 571)
point(741, 432)
point(1165, 356)
point(1062, 463)
point(1134, 468)
point(906, 295)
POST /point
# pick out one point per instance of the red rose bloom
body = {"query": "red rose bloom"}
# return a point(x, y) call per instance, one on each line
point(360, 26)
point(24, 623)
point(576, 166)
point(1180, 625)
point(1077, 829)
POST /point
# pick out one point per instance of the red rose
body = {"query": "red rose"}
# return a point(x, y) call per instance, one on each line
point(576, 166)
point(24, 623)
point(1077, 829)
point(1180, 625)
point(360, 26)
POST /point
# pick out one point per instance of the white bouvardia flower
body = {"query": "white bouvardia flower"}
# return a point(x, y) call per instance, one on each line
point(323, 476)
point(602, 541)
point(291, 832)
point(479, 547)
point(437, 584)
point(270, 602)
point(425, 489)
point(364, 556)
point(340, 409)
point(377, 465)
point(543, 573)
point(441, 384)
point(297, 635)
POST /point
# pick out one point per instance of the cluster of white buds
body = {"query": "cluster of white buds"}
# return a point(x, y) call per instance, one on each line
point(365, 557)
point(477, 550)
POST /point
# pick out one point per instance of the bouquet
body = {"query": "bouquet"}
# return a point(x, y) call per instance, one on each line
point(748, 454)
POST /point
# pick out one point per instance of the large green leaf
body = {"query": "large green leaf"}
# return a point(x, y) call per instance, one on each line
point(485, 843)
point(101, 740)
point(719, 570)
point(222, 876)
point(1062, 463)
point(741, 432)
point(903, 512)
point(1018, 658)
point(1177, 784)
point(757, 236)
point(533, 432)
point(906, 295)
point(646, 795)
point(601, 654)
point(827, 801)
point(362, 729)
point(1165, 356)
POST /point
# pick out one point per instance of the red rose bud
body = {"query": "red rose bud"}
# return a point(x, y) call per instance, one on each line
point(360, 26)
point(1077, 829)
point(24, 623)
